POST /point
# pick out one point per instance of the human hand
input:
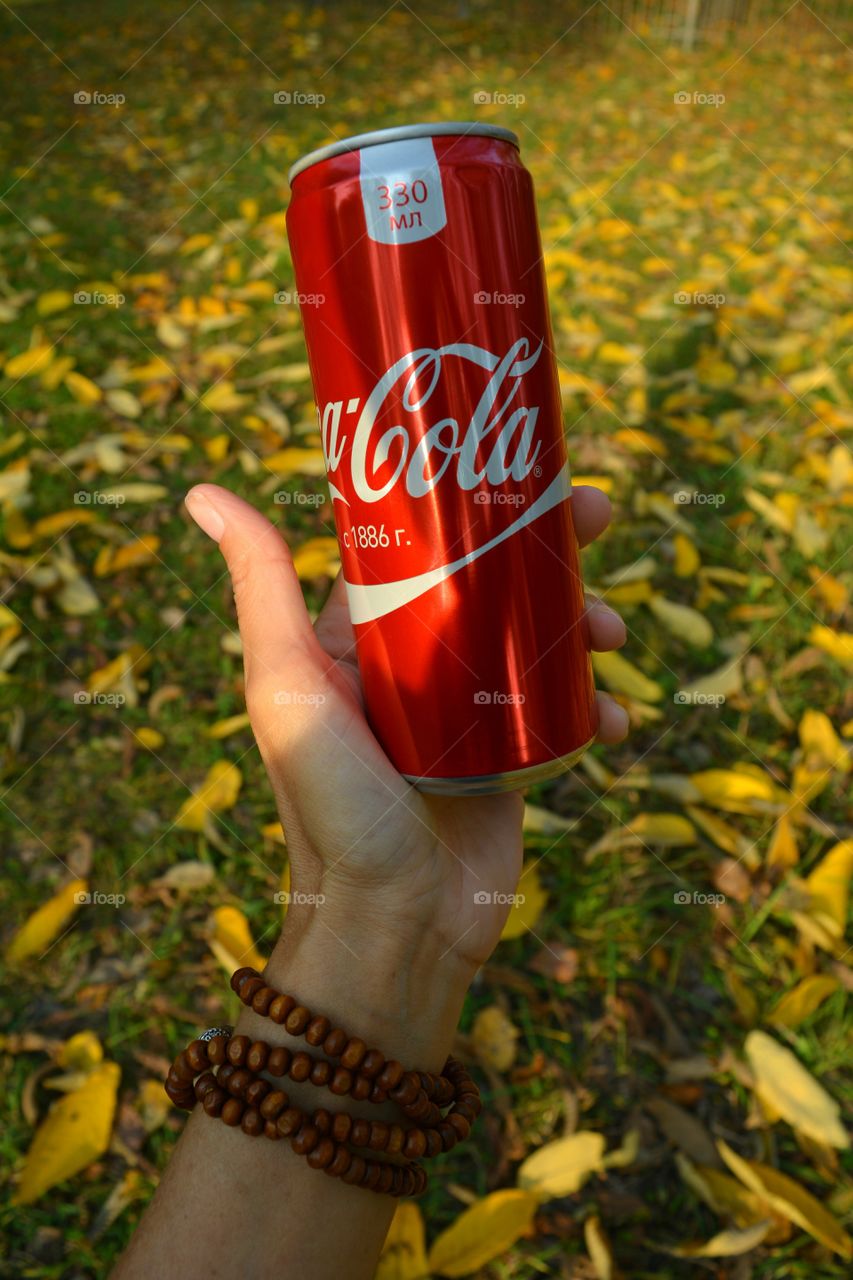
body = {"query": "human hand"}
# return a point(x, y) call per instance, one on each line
point(388, 860)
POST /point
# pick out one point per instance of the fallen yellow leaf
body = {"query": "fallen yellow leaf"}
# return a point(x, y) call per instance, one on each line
point(483, 1232)
point(218, 792)
point(75, 1132)
point(732, 790)
point(668, 829)
point(403, 1254)
point(318, 557)
point(232, 942)
point(800, 1003)
point(838, 644)
point(28, 363)
point(561, 1168)
point(493, 1038)
point(792, 1092)
point(790, 1200)
point(529, 901)
point(35, 936)
point(621, 676)
point(83, 389)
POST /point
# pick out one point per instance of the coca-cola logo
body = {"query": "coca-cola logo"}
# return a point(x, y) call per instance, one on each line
point(497, 444)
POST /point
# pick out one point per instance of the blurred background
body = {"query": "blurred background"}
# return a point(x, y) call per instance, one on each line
point(662, 1036)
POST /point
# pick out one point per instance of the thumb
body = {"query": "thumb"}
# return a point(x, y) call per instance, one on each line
point(274, 623)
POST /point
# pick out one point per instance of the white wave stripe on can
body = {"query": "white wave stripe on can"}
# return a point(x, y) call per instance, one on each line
point(367, 603)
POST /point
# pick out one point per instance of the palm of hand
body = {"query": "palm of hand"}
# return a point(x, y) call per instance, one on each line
point(352, 823)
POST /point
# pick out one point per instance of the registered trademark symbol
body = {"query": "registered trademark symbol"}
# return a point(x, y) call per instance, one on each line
point(537, 471)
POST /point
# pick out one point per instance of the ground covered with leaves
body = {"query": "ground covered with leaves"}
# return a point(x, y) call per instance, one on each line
point(661, 1036)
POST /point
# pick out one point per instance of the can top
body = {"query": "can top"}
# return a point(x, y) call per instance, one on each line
point(399, 134)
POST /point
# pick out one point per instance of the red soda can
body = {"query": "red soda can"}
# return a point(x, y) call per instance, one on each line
point(418, 267)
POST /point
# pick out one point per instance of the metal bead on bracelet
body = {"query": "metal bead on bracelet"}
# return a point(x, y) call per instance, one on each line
point(223, 1072)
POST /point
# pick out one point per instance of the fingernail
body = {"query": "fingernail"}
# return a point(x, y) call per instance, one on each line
point(605, 608)
point(205, 514)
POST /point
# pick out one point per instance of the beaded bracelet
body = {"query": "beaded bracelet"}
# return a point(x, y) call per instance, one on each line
point(223, 1072)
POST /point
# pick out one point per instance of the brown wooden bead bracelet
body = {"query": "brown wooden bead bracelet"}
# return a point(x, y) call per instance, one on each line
point(223, 1072)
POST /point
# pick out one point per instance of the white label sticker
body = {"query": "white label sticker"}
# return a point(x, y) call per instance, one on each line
point(401, 191)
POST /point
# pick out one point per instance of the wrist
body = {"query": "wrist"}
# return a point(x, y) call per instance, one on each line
point(394, 988)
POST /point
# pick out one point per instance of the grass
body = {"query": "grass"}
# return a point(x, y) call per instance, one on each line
point(748, 198)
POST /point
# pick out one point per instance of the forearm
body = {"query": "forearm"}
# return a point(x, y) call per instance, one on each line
point(230, 1205)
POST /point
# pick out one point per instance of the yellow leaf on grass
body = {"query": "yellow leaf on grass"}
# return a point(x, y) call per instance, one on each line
point(317, 557)
point(782, 851)
point(726, 1244)
point(120, 673)
point(51, 526)
point(171, 334)
point(542, 822)
point(723, 834)
point(636, 571)
point(137, 491)
point(686, 556)
point(224, 728)
point(838, 644)
point(722, 683)
point(274, 831)
point(53, 301)
point(403, 1254)
point(232, 942)
point(223, 397)
point(83, 389)
point(615, 353)
point(82, 1052)
point(622, 676)
point(732, 790)
point(199, 241)
point(722, 1193)
point(154, 1106)
point(790, 1200)
point(831, 590)
point(54, 373)
point(562, 1167)
point(141, 551)
point(37, 934)
point(217, 447)
point(605, 483)
point(822, 744)
point(123, 402)
point(493, 1038)
point(295, 461)
point(793, 1093)
point(598, 1248)
point(640, 441)
point(622, 1157)
point(483, 1232)
point(28, 363)
point(75, 1132)
point(668, 829)
point(799, 1004)
point(742, 994)
point(627, 593)
point(293, 373)
point(151, 739)
point(829, 884)
point(217, 793)
point(683, 622)
point(529, 901)
point(186, 876)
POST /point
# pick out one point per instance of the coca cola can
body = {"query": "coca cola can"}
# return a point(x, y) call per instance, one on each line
point(418, 267)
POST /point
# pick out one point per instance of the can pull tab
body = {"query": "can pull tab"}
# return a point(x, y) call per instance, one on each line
point(401, 191)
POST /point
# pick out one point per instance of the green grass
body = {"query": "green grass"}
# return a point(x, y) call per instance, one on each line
point(732, 216)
